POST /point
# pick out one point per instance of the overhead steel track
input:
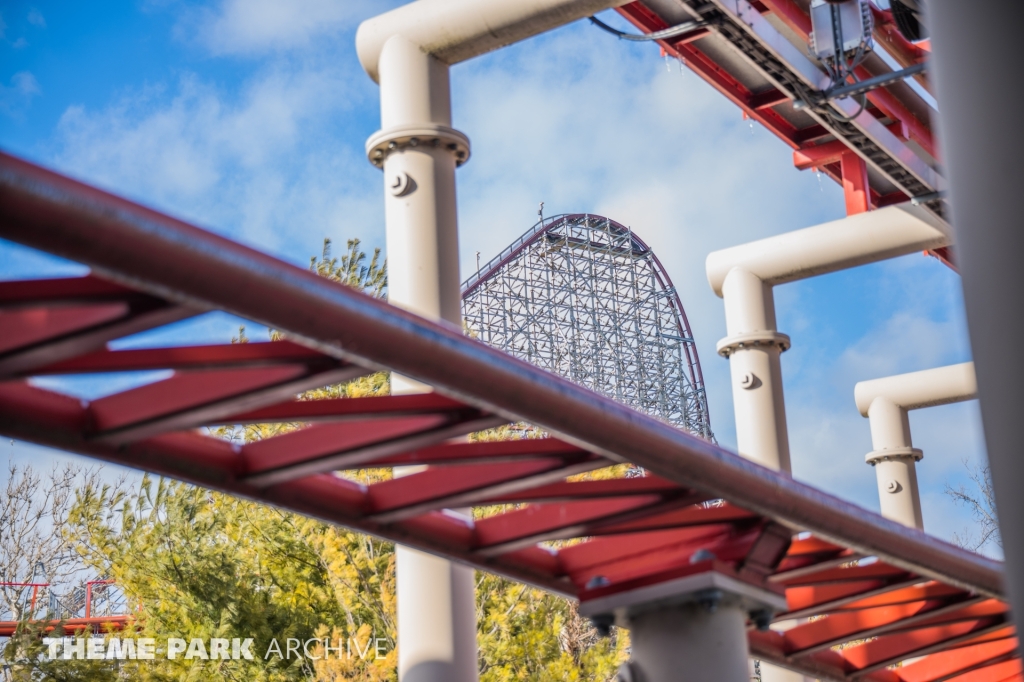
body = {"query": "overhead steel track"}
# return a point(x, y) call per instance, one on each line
point(884, 592)
point(756, 53)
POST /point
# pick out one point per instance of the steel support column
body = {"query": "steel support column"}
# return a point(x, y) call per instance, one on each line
point(856, 188)
point(418, 150)
point(886, 402)
point(692, 642)
point(745, 276)
point(977, 83)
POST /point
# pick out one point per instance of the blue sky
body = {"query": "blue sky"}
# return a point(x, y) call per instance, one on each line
point(249, 117)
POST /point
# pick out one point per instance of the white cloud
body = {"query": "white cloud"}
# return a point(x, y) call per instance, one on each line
point(252, 26)
point(25, 83)
point(15, 98)
point(262, 164)
point(35, 18)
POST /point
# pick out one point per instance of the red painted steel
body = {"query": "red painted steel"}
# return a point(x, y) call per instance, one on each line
point(753, 105)
point(86, 623)
point(856, 188)
point(813, 146)
point(882, 591)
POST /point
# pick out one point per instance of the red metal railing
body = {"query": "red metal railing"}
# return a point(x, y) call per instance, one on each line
point(75, 613)
point(883, 592)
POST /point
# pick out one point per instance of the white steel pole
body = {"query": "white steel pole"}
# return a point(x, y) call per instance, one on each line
point(753, 348)
point(419, 152)
point(693, 642)
point(744, 276)
point(408, 51)
point(887, 402)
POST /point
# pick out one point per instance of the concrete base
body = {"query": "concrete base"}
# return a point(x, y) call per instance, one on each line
point(690, 642)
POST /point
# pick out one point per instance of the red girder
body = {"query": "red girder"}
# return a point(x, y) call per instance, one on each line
point(990, 662)
point(98, 624)
point(88, 622)
point(234, 356)
point(757, 106)
point(906, 53)
point(920, 597)
point(832, 157)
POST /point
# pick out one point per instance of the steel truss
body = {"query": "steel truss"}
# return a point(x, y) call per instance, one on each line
point(582, 296)
point(884, 592)
point(757, 54)
point(98, 606)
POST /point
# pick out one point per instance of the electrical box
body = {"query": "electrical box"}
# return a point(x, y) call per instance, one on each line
point(844, 24)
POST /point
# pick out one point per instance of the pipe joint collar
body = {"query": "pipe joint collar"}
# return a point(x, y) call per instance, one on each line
point(753, 340)
point(429, 136)
point(891, 454)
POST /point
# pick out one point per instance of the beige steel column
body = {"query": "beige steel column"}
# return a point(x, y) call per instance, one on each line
point(887, 402)
point(753, 347)
point(693, 642)
point(408, 51)
point(744, 276)
point(418, 152)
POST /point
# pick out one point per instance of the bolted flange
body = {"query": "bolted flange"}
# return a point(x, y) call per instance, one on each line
point(876, 456)
point(765, 339)
point(429, 136)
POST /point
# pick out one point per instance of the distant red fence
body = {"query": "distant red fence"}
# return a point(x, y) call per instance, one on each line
point(96, 605)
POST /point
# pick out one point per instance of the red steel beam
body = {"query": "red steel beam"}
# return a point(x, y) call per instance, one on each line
point(908, 595)
point(481, 453)
point(839, 628)
point(165, 256)
point(756, 106)
point(75, 330)
point(567, 491)
point(888, 650)
point(810, 601)
point(946, 664)
point(331, 447)
point(545, 522)
point(192, 399)
point(51, 293)
point(856, 188)
point(348, 409)
point(234, 356)
point(98, 624)
point(440, 488)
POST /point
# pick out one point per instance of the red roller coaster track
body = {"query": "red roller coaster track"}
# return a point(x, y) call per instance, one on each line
point(752, 52)
point(874, 593)
point(89, 620)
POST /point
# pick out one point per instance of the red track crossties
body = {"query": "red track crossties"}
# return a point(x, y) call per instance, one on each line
point(874, 593)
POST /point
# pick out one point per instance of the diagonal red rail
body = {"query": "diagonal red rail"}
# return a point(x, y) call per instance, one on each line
point(883, 592)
